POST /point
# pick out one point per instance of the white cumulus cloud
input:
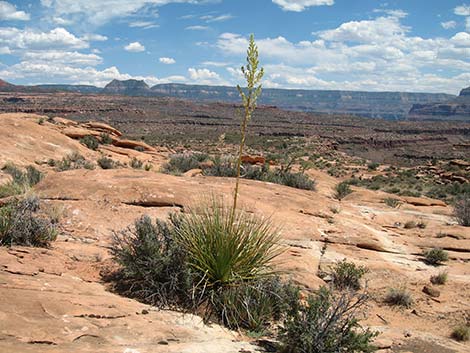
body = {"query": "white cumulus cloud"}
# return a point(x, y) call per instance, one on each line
point(29, 39)
point(8, 12)
point(205, 77)
point(99, 12)
point(167, 61)
point(462, 10)
point(134, 47)
point(301, 5)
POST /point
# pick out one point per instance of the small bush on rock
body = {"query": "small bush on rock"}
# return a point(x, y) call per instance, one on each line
point(91, 142)
point(439, 279)
point(399, 297)
point(72, 161)
point(347, 275)
point(252, 305)
point(136, 164)
point(22, 180)
point(106, 139)
point(153, 267)
point(22, 223)
point(461, 333)
point(342, 190)
point(106, 163)
point(435, 257)
point(181, 163)
point(326, 323)
point(227, 167)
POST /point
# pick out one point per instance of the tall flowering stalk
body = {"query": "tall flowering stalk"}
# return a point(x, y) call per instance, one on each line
point(253, 75)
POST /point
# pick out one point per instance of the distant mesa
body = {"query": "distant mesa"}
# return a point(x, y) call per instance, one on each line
point(127, 87)
point(387, 105)
point(457, 108)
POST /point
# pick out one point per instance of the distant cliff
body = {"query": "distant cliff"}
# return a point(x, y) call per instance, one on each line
point(453, 109)
point(388, 105)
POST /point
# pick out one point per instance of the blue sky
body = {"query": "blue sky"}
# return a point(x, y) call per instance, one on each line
point(394, 45)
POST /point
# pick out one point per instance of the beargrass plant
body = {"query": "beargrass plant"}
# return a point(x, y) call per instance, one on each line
point(253, 75)
point(224, 248)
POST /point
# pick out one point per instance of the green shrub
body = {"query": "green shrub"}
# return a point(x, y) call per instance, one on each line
point(106, 163)
point(373, 166)
point(252, 305)
point(226, 167)
point(21, 223)
point(11, 188)
point(435, 257)
point(288, 178)
point(148, 167)
point(201, 260)
point(342, 190)
point(136, 164)
point(181, 163)
point(391, 202)
point(222, 249)
point(399, 297)
point(153, 266)
point(461, 333)
point(41, 121)
point(347, 275)
point(440, 278)
point(106, 139)
point(222, 167)
point(462, 210)
point(73, 160)
point(91, 142)
point(326, 323)
point(22, 180)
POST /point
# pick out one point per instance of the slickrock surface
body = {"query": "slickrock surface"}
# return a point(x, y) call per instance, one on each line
point(54, 300)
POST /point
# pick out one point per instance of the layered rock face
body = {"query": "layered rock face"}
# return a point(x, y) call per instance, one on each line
point(388, 105)
point(454, 109)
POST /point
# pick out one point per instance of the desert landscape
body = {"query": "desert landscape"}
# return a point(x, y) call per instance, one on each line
point(58, 300)
point(169, 185)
